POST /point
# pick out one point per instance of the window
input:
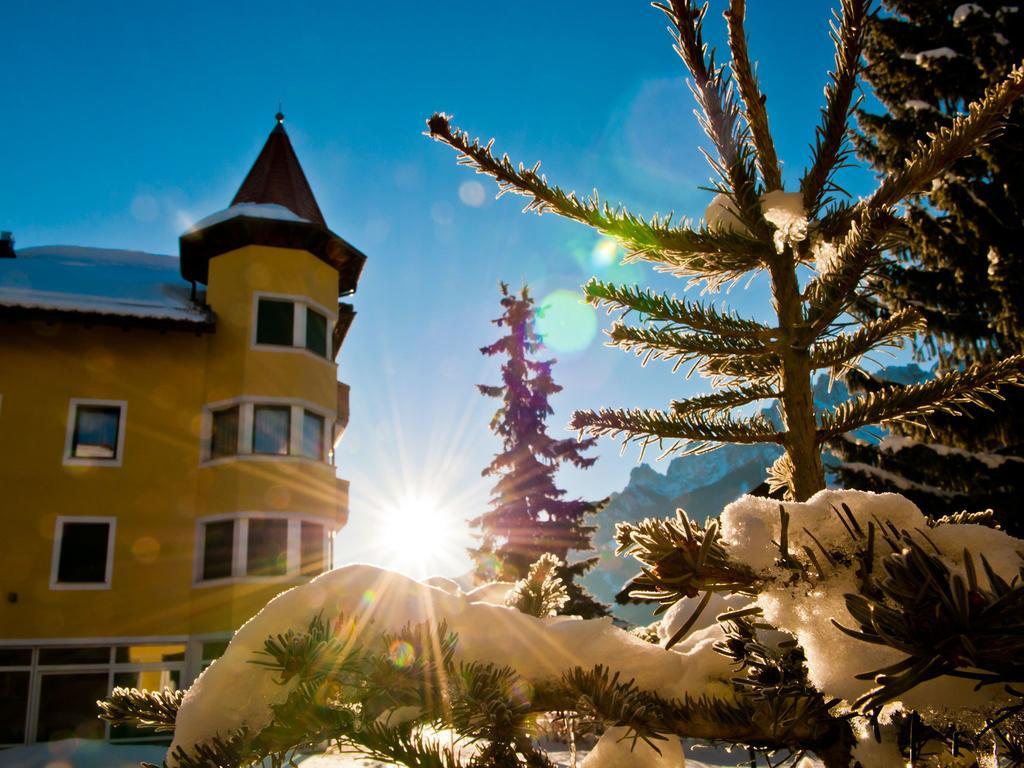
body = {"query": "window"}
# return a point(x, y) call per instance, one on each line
point(258, 545)
point(267, 547)
point(316, 332)
point(67, 705)
point(272, 426)
point(313, 435)
point(246, 429)
point(312, 543)
point(224, 436)
point(295, 323)
point(13, 705)
point(95, 432)
point(218, 549)
point(275, 322)
point(83, 556)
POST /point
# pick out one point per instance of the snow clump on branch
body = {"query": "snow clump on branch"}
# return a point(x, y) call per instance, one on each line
point(380, 601)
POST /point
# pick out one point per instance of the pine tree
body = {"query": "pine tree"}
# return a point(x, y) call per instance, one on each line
point(529, 514)
point(754, 225)
point(961, 257)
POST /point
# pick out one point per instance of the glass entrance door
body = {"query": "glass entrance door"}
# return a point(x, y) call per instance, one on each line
point(67, 705)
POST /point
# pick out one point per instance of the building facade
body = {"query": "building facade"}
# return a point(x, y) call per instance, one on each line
point(167, 428)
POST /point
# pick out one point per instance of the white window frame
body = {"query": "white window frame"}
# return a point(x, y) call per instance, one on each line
point(246, 405)
point(299, 306)
point(69, 437)
point(58, 538)
point(240, 547)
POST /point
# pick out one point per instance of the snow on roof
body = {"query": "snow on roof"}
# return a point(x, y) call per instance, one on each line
point(98, 281)
point(252, 210)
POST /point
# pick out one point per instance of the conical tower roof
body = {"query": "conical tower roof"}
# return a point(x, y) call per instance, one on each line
point(277, 177)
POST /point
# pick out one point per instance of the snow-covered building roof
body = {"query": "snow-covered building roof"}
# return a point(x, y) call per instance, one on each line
point(99, 281)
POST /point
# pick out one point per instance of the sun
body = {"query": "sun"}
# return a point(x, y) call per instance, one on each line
point(420, 536)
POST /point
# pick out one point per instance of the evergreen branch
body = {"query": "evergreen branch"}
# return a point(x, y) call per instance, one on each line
point(947, 394)
point(845, 350)
point(723, 401)
point(399, 746)
point(145, 709)
point(983, 120)
point(831, 136)
point(653, 306)
point(688, 251)
point(753, 98)
point(690, 433)
point(946, 623)
point(721, 113)
point(668, 344)
point(542, 593)
point(830, 294)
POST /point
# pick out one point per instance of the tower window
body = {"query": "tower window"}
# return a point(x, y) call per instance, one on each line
point(224, 436)
point(275, 322)
point(82, 553)
point(292, 323)
point(267, 547)
point(218, 549)
point(95, 432)
point(316, 333)
point(312, 435)
point(261, 545)
point(272, 426)
point(312, 548)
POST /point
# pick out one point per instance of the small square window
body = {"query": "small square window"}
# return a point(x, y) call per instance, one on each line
point(275, 322)
point(224, 436)
point(83, 552)
point(316, 333)
point(267, 547)
point(312, 435)
point(312, 548)
point(218, 549)
point(96, 432)
point(272, 426)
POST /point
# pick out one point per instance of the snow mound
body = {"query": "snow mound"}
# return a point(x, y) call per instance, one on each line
point(616, 750)
point(382, 601)
point(249, 210)
point(751, 525)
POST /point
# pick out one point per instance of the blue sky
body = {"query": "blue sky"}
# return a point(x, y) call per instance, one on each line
point(124, 122)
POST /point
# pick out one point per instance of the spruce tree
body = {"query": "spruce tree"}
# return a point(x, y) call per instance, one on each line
point(961, 255)
point(529, 515)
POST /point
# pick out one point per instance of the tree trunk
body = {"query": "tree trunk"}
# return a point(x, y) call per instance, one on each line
point(797, 399)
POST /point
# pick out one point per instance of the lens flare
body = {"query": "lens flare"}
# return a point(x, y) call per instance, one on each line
point(565, 323)
point(401, 654)
point(604, 253)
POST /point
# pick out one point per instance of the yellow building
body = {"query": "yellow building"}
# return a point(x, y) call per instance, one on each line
point(166, 446)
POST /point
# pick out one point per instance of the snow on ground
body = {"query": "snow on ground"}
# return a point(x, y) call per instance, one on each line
point(80, 753)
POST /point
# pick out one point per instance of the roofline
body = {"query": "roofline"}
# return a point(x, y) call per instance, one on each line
point(89, 318)
point(196, 248)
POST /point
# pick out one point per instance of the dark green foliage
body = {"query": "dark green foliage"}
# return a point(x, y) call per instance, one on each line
point(961, 253)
